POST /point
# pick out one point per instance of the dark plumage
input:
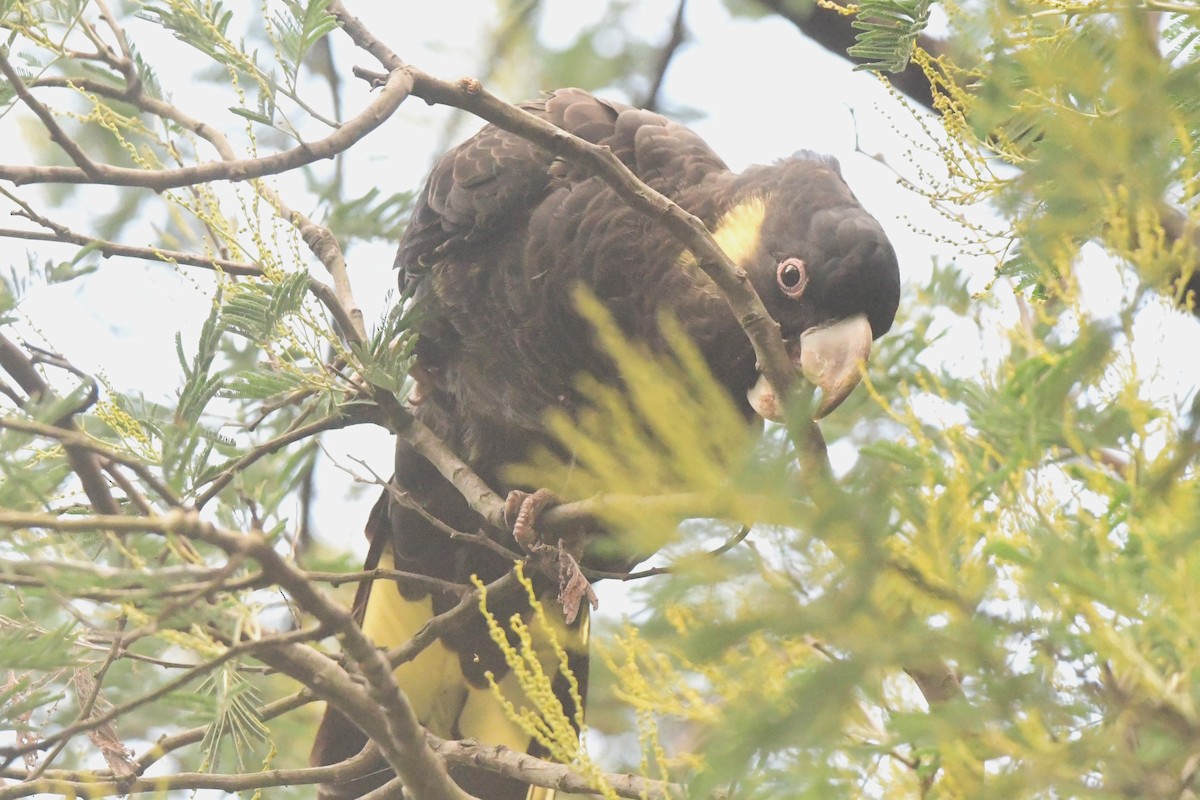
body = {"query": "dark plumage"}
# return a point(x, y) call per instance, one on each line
point(500, 236)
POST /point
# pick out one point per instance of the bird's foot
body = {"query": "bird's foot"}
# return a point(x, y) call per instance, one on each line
point(573, 586)
point(423, 383)
point(521, 510)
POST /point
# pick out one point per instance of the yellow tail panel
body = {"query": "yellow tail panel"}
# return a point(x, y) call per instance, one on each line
point(441, 696)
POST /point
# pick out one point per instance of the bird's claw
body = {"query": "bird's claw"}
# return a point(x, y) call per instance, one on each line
point(573, 586)
point(521, 510)
point(423, 384)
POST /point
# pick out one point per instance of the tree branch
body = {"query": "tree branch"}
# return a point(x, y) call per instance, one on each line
point(109, 249)
point(82, 784)
point(57, 134)
point(169, 744)
point(14, 361)
point(337, 422)
point(665, 55)
point(383, 711)
point(400, 737)
point(333, 684)
point(551, 775)
point(396, 89)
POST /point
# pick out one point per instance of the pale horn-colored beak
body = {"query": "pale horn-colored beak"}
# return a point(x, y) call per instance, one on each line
point(831, 358)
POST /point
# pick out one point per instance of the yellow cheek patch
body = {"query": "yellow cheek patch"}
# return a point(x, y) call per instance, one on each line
point(737, 232)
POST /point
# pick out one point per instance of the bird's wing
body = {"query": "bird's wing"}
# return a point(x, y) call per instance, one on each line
point(504, 231)
point(493, 181)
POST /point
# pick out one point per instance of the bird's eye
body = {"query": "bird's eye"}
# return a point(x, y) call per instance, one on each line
point(792, 277)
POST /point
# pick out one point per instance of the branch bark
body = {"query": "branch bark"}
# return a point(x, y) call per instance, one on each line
point(382, 711)
point(395, 91)
point(84, 462)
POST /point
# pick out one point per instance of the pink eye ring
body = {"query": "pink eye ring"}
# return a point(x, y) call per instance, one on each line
point(792, 277)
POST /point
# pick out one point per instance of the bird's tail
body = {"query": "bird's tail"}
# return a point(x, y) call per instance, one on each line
point(446, 682)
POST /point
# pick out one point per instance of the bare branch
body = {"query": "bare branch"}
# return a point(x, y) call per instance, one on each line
point(665, 55)
point(332, 684)
point(83, 462)
point(551, 775)
point(94, 785)
point(396, 89)
point(125, 63)
point(57, 134)
point(355, 416)
point(132, 493)
point(126, 584)
point(109, 249)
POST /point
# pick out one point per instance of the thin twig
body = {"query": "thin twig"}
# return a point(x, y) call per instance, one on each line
point(385, 104)
point(85, 165)
point(357, 416)
point(21, 367)
point(665, 55)
point(467, 608)
point(178, 682)
point(109, 249)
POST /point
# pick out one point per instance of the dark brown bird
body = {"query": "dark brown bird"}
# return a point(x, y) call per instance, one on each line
point(500, 237)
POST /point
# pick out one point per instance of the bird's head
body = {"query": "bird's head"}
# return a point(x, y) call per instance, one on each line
point(823, 267)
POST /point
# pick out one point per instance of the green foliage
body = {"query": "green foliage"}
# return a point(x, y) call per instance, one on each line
point(1008, 545)
point(238, 720)
point(386, 358)
point(638, 436)
point(265, 360)
point(200, 25)
point(375, 215)
point(1098, 111)
point(300, 26)
point(199, 385)
point(255, 310)
point(27, 648)
point(888, 32)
